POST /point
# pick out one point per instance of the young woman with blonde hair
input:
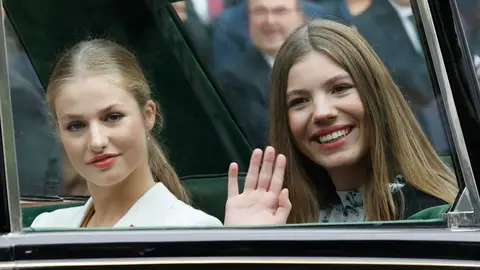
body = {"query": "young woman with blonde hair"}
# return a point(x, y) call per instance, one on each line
point(104, 114)
point(354, 150)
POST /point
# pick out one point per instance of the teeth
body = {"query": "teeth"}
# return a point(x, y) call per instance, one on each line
point(333, 136)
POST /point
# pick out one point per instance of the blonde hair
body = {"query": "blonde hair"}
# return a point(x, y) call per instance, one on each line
point(105, 58)
point(396, 139)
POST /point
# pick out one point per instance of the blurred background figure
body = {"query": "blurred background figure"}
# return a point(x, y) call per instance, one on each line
point(231, 32)
point(343, 10)
point(198, 16)
point(389, 26)
point(245, 79)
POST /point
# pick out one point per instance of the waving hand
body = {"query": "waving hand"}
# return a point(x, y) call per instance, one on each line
point(263, 200)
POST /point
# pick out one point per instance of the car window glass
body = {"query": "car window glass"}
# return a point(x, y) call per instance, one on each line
point(205, 125)
point(192, 142)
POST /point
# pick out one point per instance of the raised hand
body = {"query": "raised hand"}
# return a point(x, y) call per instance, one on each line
point(263, 200)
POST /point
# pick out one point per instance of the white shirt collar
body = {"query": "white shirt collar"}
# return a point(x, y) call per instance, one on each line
point(403, 11)
point(201, 8)
point(270, 60)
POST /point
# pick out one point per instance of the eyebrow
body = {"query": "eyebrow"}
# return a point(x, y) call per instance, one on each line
point(336, 78)
point(296, 91)
point(77, 116)
point(330, 81)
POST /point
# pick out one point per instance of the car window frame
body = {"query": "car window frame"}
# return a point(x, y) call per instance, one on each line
point(427, 25)
point(8, 174)
point(465, 211)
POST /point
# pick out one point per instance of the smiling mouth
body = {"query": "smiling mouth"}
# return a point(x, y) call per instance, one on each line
point(334, 136)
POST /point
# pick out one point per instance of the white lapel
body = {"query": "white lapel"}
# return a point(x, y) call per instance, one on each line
point(79, 216)
point(150, 209)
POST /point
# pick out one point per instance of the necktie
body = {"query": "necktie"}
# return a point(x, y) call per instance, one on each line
point(214, 7)
point(418, 44)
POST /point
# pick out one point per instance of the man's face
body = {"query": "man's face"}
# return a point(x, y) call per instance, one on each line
point(271, 21)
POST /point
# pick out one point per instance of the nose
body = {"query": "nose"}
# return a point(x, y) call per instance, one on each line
point(324, 109)
point(98, 138)
point(270, 18)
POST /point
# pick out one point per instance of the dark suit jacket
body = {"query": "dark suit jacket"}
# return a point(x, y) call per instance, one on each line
point(199, 34)
point(412, 201)
point(383, 29)
point(336, 10)
point(244, 84)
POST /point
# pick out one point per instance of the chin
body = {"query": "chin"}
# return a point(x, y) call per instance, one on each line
point(105, 183)
point(106, 180)
point(336, 164)
point(338, 161)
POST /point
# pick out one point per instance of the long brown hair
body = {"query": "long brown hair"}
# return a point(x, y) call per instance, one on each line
point(105, 58)
point(396, 139)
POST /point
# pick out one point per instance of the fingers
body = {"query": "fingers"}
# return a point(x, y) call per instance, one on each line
point(232, 180)
point(276, 183)
point(252, 176)
point(267, 168)
point(284, 207)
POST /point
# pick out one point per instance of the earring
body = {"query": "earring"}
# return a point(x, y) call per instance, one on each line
point(148, 135)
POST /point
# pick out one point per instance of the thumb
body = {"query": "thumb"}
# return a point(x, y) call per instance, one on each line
point(284, 206)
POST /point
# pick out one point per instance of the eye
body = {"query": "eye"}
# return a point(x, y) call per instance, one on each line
point(341, 88)
point(114, 117)
point(75, 126)
point(297, 102)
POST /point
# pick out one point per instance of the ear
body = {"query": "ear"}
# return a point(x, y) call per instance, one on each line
point(150, 112)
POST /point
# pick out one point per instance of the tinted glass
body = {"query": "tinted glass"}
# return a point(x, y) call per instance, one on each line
point(199, 136)
point(205, 125)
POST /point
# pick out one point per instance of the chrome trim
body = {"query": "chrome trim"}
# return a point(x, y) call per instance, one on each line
point(8, 137)
point(248, 260)
point(226, 234)
point(452, 115)
point(7, 265)
point(464, 204)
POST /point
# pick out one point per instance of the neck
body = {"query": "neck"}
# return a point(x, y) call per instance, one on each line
point(113, 202)
point(353, 177)
point(357, 7)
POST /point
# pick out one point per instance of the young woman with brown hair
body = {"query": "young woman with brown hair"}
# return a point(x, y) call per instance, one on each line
point(354, 150)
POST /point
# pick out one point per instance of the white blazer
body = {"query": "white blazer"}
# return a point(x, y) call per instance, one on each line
point(157, 207)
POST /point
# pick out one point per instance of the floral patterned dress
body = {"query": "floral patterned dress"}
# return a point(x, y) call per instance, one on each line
point(350, 208)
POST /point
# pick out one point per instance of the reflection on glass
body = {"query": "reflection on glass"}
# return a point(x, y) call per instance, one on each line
point(39, 165)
